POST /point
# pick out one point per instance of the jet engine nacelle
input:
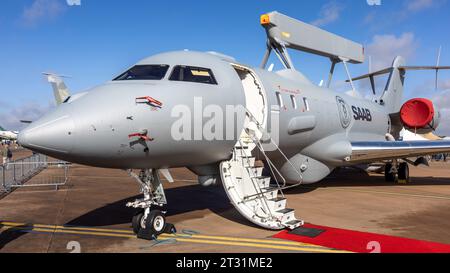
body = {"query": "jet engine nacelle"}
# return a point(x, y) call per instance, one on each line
point(420, 116)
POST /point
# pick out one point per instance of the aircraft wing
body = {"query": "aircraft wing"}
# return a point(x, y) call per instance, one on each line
point(384, 150)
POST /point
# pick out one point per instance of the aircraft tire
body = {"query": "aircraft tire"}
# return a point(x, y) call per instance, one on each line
point(403, 173)
point(157, 220)
point(388, 175)
point(137, 221)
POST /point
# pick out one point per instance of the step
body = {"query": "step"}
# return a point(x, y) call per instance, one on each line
point(293, 224)
point(278, 203)
point(255, 171)
point(269, 194)
point(263, 181)
point(247, 161)
point(242, 153)
point(286, 215)
point(246, 140)
point(241, 146)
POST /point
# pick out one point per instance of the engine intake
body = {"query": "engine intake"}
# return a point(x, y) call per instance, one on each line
point(419, 115)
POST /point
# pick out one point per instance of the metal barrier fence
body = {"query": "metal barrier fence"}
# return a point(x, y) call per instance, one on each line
point(17, 173)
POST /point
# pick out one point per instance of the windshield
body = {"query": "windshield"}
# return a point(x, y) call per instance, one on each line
point(193, 74)
point(144, 72)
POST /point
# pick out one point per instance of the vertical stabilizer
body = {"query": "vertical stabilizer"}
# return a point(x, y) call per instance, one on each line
point(60, 90)
point(393, 94)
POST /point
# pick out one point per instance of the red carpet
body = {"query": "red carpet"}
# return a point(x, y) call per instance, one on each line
point(362, 242)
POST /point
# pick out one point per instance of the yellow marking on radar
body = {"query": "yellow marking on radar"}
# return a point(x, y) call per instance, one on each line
point(286, 34)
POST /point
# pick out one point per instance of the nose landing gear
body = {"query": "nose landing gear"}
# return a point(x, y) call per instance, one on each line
point(149, 223)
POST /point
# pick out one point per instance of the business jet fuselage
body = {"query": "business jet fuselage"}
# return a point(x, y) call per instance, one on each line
point(216, 116)
point(316, 125)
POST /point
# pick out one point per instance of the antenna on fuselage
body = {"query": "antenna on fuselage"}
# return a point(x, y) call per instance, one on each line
point(437, 70)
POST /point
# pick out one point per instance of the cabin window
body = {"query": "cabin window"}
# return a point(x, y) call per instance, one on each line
point(193, 74)
point(144, 72)
point(306, 104)
point(280, 100)
point(294, 101)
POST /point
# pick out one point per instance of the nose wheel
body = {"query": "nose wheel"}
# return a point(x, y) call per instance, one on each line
point(149, 223)
point(150, 227)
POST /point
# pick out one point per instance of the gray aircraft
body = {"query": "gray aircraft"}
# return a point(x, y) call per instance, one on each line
point(221, 118)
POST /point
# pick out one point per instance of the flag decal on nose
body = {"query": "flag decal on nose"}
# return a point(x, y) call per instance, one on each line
point(150, 101)
point(142, 135)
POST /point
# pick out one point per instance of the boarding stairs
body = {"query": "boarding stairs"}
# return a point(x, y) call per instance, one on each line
point(251, 193)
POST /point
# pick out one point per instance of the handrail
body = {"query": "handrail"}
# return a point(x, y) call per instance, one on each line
point(277, 147)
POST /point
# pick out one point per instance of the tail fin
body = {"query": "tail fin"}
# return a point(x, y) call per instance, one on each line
point(60, 90)
point(393, 94)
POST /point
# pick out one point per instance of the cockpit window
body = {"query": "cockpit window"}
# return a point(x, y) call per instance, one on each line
point(193, 74)
point(144, 72)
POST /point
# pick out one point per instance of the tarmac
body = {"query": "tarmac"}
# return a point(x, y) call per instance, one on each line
point(89, 213)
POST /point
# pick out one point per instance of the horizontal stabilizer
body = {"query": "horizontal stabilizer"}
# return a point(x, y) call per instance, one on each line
point(373, 74)
point(388, 70)
point(308, 38)
point(424, 67)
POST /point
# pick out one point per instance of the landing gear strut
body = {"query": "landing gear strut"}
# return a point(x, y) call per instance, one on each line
point(397, 172)
point(150, 221)
point(390, 173)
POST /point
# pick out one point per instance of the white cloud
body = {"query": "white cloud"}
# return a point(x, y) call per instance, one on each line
point(384, 48)
point(41, 10)
point(329, 13)
point(419, 5)
point(381, 19)
point(444, 85)
point(442, 102)
point(10, 118)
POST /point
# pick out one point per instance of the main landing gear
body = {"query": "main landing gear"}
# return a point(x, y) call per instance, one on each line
point(150, 221)
point(397, 172)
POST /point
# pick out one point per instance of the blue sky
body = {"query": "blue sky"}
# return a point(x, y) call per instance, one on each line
point(99, 39)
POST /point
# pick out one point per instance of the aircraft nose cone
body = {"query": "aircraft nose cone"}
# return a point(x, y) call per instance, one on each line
point(52, 136)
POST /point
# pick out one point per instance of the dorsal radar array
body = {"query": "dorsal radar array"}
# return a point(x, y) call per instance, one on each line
point(284, 32)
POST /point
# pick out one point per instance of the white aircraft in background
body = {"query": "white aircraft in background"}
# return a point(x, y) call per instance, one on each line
point(61, 93)
point(8, 135)
point(407, 135)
